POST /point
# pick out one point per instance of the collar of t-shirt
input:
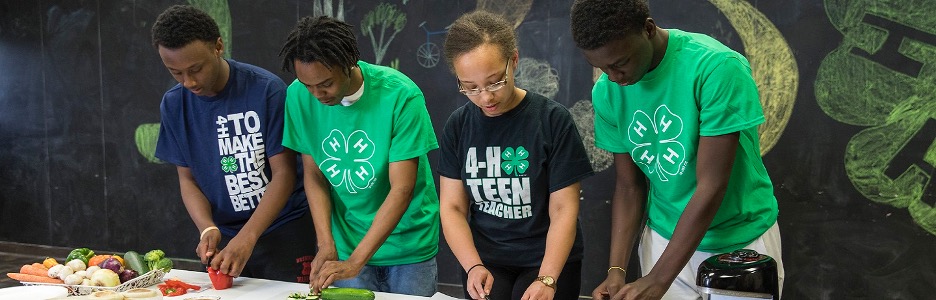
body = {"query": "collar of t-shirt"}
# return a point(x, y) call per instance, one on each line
point(351, 99)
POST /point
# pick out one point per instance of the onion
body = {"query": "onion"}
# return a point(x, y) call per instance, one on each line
point(105, 277)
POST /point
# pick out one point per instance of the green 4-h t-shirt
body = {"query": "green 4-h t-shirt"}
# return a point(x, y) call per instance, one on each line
point(354, 145)
point(701, 88)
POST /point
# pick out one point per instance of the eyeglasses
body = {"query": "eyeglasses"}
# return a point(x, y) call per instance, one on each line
point(491, 88)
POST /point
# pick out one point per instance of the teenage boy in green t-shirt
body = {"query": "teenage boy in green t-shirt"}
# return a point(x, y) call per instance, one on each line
point(680, 111)
point(363, 131)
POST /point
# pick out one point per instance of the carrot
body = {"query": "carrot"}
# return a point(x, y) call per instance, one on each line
point(97, 259)
point(38, 265)
point(32, 270)
point(34, 278)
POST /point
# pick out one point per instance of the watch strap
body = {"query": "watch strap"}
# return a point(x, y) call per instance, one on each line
point(548, 281)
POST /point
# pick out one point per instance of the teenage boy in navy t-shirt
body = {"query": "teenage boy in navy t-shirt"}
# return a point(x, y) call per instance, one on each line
point(222, 127)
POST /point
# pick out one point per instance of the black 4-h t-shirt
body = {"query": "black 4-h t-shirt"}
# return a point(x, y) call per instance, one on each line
point(509, 165)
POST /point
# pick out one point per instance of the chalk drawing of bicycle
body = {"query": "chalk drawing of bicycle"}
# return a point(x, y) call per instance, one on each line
point(428, 53)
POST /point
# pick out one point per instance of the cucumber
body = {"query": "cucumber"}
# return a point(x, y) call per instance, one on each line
point(135, 261)
point(346, 294)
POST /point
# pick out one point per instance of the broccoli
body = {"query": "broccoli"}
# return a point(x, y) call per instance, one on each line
point(156, 259)
point(154, 255)
point(164, 264)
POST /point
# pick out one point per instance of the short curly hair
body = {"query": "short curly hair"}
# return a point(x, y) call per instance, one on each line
point(323, 39)
point(179, 25)
point(473, 29)
point(597, 22)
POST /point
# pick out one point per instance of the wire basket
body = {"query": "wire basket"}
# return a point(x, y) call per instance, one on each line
point(146, 280)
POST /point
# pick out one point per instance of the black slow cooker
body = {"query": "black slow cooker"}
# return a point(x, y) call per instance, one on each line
point(740, 274)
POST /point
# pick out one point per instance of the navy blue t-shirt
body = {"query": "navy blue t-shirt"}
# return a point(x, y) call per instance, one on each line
point(509, 165)
point(226, 141)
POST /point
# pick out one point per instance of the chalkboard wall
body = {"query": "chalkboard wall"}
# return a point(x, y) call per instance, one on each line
point(848, 88)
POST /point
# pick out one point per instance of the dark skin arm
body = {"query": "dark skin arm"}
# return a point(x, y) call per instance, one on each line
point(234, 256)
point(199, 209)
point(319, 198)
point(715, 161)
point(402, 183)
point(627, 210)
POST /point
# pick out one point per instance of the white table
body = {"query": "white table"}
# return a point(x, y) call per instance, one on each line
point(260, 289)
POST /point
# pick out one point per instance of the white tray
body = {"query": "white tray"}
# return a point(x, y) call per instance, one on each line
point(146, 280)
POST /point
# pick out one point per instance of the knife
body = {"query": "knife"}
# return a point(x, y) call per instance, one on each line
point(209, 262)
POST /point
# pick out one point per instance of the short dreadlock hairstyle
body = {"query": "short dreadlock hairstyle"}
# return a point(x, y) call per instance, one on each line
point(597, 22)
point(179, 25)
point(321, 39)
point(476, 28)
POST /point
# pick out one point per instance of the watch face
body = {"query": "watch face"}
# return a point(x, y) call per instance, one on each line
point(548, 280)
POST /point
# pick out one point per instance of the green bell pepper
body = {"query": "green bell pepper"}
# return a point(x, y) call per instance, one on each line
point(84, 254)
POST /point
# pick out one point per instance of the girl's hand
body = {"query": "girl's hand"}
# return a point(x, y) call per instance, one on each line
point(480, 281)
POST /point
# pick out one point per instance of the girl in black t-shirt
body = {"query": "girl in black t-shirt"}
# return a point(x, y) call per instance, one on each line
point(511, 162)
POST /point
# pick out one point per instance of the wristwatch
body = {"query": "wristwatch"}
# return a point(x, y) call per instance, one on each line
point(547, 280)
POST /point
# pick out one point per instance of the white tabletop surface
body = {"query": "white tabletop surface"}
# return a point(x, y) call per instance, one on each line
point(259, 289)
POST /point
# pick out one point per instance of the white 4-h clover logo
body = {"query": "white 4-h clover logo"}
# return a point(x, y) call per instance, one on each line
point(656, 146)
point(348, 160)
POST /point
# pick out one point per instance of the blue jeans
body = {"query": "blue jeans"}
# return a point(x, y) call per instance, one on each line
point(417, 279)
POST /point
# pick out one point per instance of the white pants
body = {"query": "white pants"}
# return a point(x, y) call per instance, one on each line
point(684, 288)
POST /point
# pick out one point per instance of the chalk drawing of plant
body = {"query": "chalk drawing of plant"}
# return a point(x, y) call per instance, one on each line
point(583, 113)
point(146, 136)
point(221, 13)
point(326, 8)
point(512, 10)
point(537, 76)
point(385, 16)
